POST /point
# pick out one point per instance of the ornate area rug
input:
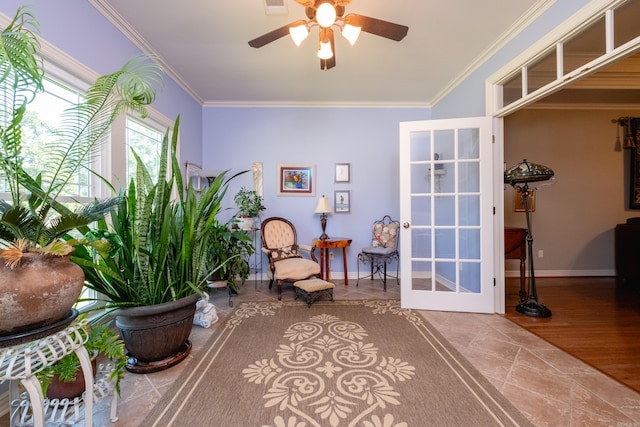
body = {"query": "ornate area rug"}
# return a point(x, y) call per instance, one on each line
point(342, 363)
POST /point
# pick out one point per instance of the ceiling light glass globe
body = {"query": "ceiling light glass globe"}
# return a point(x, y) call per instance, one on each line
point(326, 15)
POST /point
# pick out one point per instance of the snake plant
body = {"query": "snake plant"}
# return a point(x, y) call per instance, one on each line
point(33, 221)
point(160, 236)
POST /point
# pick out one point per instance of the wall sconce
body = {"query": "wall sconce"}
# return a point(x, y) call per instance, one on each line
point(629, 140)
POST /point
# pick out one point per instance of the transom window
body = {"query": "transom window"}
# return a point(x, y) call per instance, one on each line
point(608, 31)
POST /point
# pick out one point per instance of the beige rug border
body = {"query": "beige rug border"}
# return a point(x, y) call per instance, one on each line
point(477, 384)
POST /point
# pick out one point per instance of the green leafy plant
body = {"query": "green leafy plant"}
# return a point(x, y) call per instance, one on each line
point(101, 341)
point(249, 202)
point(36, 224)
point(230, 251)
point(159, 245)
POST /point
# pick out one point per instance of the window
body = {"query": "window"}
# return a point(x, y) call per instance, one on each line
point(64, 86)
point(145, 141)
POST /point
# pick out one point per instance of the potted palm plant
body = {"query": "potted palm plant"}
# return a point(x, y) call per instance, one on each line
point(158, 264)
point(31, 226)
point(250, 204)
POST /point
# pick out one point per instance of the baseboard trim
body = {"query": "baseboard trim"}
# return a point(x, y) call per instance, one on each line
point(565, 273)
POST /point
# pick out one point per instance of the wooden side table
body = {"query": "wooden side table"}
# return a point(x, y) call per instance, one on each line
point(515, 247)
point(324, 246)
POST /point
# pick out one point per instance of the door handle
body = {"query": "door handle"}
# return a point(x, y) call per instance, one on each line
point(405, 224)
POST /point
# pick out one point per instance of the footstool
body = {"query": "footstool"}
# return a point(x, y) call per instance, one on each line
point(312, 289)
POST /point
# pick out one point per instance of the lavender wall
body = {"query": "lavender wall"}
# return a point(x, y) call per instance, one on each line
point(367, 138)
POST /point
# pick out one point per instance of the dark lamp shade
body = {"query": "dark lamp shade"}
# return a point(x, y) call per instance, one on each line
point(527, 172)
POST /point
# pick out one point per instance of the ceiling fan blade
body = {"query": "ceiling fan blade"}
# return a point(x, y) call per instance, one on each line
point(274, 35)
point(327, 64)
point(378, 27)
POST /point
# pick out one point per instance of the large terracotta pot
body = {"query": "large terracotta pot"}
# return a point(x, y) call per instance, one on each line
point(156, 336)
point(38, 292)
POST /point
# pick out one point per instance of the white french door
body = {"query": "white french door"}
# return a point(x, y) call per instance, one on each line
point(446, 215)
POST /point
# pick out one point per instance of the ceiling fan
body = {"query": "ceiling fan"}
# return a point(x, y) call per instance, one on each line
point(325, 14)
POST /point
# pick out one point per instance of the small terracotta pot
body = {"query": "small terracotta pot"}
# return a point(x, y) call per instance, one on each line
point(72, 389)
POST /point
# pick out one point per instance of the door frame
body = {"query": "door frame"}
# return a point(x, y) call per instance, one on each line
point(494, 107)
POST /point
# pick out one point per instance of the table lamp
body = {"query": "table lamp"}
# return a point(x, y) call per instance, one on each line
point(323, 208)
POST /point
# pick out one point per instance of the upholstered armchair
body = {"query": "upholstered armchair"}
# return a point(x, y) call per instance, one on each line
point(383, 249)
point(286, 264)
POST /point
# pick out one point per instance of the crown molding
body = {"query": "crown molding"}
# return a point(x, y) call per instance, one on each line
point(120, 23)
point(296, 104)
point(529, 17)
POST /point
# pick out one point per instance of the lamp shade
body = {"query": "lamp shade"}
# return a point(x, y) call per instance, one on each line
point(324, 206)
point(351, 33)
point(299, 33)
point(324, 51)
point(527, 172)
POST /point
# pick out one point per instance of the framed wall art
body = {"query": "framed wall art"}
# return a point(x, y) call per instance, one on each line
point(296, 180)
point(519, 200)
point(342, 201)
point(633, 132)
point(343, 172)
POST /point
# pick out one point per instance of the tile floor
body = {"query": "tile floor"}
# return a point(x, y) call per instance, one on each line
point(547, 385)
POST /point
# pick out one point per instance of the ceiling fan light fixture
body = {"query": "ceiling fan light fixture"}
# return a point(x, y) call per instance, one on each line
point(326, 15)
point(324, 50)
point(299, 33)
point(351, 33)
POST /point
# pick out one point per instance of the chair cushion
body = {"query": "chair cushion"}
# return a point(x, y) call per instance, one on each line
point(284, 253)
point(385, 235)
point(378, 250)
point(296, 269)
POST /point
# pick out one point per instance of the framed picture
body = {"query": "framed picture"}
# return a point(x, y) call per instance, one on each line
point(296, 180)
point(519, 200)
point(342, 201)
point(343, 172)
point(634, 169)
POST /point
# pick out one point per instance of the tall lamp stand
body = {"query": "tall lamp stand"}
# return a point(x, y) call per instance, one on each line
point(529, 305)
point(519, 177)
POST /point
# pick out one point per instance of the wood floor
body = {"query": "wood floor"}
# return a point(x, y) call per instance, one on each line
point(593, 318)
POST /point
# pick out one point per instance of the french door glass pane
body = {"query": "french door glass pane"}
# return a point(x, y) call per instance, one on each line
point(421, 243)
point(421, 211)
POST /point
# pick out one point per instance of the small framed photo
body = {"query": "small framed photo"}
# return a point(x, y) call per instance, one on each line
point(342, 201)
point(296, 180)
point(343, 172)
point(518, 196)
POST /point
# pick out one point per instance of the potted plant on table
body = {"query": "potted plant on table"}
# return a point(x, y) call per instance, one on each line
point(158, 265)
point(250, 204)
point(33, 223)
point(230, 251)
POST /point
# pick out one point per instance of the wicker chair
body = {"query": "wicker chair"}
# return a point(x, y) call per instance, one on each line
point(384, 248)
point(286, 264)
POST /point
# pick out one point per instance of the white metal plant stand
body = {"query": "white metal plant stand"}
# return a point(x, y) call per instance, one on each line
point(19, 363)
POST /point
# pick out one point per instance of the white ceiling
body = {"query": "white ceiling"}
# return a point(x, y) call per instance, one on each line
point(203, 46)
